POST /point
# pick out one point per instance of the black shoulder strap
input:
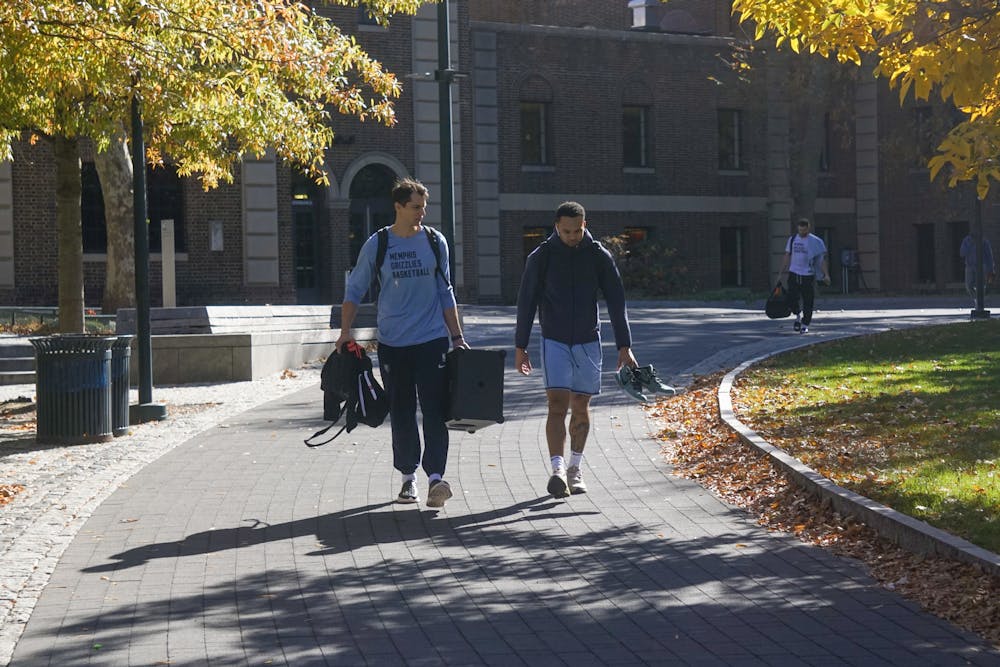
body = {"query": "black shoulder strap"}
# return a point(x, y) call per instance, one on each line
point(432, 238)
point(380, 251)
point(309, 442)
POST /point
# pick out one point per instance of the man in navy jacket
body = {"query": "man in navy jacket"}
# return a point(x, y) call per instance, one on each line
point(561, 280)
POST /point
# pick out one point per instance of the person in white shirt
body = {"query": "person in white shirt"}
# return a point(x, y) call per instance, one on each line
point(805, 263)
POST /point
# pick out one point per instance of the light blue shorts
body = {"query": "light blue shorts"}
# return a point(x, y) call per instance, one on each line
point(573, 367)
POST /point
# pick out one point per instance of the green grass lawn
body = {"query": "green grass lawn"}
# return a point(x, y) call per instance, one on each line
point(909, 418)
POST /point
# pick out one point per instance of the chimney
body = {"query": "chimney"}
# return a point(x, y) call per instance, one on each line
point(646, 14)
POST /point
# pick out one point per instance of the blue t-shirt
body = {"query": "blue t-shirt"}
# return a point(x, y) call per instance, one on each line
point(414, 297)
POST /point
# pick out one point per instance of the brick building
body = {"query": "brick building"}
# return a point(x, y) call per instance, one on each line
point(628, 106)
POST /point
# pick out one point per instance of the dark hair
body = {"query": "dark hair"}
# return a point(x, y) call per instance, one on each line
point(404, 188)
point(802, 222)
point(570, 209)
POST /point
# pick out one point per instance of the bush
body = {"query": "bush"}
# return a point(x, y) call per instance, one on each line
point(649, 269)
point(29, 323)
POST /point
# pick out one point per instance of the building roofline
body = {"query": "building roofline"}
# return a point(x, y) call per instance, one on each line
point(603, 33)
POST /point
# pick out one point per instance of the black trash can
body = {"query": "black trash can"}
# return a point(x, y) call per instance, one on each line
point(121, 352)
point(73, 388)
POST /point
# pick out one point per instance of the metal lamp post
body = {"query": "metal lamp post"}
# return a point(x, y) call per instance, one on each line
point(146, 410)
point(444, 75)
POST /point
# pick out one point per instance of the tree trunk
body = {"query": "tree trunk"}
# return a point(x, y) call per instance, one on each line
point(70, 234)
point(814, 109)
point(114, 167)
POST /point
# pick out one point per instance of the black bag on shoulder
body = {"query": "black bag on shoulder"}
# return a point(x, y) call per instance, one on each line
point(777, 305)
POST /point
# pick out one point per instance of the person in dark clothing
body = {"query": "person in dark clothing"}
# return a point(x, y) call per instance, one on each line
point(561, 280)
point(969, 251)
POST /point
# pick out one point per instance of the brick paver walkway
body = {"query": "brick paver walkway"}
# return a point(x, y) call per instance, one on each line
point(243, 547)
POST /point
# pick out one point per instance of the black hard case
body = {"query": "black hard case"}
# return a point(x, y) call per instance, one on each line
point(475, 388)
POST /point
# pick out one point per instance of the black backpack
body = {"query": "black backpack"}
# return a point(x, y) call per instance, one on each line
point(349, 388)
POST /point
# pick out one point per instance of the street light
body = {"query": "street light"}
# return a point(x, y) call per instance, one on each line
point(444, 76)
point(146, 410)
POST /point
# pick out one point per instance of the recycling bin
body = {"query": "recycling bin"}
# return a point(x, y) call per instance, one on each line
point(73, 388)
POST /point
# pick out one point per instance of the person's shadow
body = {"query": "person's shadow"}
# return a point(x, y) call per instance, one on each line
point(338, 531)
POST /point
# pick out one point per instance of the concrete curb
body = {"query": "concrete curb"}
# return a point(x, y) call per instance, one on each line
point(911, 534)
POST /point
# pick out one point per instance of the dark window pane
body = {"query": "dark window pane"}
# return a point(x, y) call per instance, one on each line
point(164, 202)
point(925, 254)
point(730, 157)
point(95, 238)
point(533, 133)
point(364, 17)
point(305, 246)
point(635, 140)
point(824, 146)
point(924, 134)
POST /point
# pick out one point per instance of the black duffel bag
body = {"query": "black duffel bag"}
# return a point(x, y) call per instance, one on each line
point(777, 305)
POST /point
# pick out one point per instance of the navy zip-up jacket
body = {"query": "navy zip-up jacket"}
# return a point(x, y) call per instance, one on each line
point(567, 306)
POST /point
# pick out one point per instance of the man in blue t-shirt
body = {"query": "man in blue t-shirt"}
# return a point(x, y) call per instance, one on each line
point(805, 263)
point(417, 318)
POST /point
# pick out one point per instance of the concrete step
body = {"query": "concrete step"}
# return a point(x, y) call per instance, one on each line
point(8, 364)
point(16, 347)
point(17, 361)
point(17, 377)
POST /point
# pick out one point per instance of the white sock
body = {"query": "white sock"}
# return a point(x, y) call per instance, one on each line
point(558, 464)
point(433, 477)
point(575, 459)
point(410, 478)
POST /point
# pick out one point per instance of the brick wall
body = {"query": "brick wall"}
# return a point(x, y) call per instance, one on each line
point(909, 198)
point(613, 14)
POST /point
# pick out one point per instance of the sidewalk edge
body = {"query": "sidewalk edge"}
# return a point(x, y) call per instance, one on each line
point(902, 529)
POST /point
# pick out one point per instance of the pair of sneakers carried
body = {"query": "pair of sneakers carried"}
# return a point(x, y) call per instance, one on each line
point(564, 483)
point(438, 493)
point(642, 381)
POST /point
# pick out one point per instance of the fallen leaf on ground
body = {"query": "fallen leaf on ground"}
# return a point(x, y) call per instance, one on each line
point(700, 446)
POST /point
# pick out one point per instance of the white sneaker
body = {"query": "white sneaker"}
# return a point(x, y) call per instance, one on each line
point(575, 478)
point(438, 493)
point(408, 494)
point(558, 487)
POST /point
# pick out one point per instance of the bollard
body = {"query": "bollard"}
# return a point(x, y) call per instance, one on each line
point(121, 352)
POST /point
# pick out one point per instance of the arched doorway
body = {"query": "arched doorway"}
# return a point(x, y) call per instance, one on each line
point(371, 204)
